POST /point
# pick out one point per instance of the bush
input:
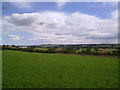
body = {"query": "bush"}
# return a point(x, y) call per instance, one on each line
point(51, 50)
point(114, 52)
point(28, 49)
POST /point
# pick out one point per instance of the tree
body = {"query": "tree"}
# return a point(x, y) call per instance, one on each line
point(3, 46)
point(96, 49)
point(88, 50)
point(114, 52)
point(51, 50)
point(68, 50)
point(13, 46)
point(28, 49)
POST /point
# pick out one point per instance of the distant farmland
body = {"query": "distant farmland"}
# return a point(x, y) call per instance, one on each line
point(41, 70)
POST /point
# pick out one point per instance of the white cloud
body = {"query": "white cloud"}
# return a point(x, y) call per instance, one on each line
point(15, 37)
point(61, 3)
point(115, 14)
point(24, 5)
point(110, 4)
point(59, 27)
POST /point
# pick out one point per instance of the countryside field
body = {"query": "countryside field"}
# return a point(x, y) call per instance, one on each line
point(41, 70)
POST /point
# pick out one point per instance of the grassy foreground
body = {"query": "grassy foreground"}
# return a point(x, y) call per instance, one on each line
point(38, 70)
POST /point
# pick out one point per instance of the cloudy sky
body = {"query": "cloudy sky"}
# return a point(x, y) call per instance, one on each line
point(35, 23)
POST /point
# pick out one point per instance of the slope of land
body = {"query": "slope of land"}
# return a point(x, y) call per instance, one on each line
point(40, 70)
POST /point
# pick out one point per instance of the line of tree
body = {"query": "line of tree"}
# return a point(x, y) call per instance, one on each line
point(90, 51)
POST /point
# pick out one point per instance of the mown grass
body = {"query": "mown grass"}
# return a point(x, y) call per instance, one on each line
point(38, 70)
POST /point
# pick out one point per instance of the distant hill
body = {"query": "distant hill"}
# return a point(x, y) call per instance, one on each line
point(76, 46)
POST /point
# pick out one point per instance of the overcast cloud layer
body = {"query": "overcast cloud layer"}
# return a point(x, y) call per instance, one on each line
point(62, 28)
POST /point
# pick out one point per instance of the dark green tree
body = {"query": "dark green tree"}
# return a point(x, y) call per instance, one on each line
point(88, 50)
point(96, 49)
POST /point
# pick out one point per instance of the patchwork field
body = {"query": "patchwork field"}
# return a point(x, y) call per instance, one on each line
point(40, 70)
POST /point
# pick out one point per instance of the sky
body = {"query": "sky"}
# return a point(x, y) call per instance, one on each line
point(35, 23)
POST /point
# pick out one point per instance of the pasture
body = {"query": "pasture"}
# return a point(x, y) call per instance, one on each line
point(41, 70)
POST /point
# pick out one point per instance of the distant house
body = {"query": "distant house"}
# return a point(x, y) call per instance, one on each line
point(23, 47)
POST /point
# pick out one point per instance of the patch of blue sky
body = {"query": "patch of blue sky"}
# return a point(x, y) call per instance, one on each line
point(92, 8)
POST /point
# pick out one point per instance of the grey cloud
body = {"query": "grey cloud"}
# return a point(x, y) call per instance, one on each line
point(22, 21)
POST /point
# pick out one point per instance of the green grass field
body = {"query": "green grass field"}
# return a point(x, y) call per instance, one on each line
point(38, 70)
